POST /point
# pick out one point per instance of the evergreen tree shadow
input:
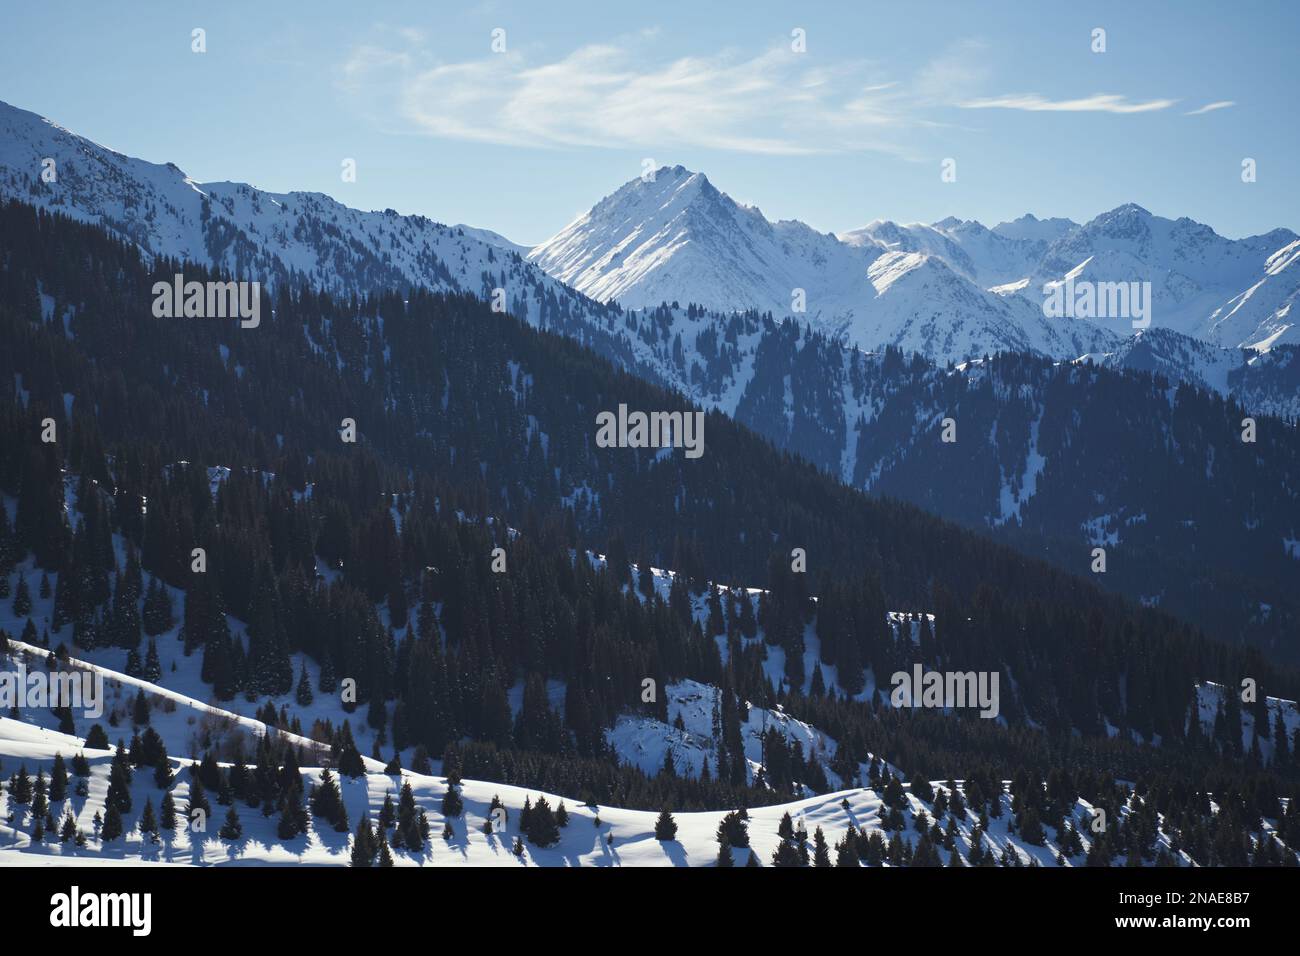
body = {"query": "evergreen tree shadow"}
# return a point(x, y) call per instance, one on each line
point(675, 852)
point(331, 839)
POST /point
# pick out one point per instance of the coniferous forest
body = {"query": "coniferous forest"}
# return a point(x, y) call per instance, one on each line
point(447, 556)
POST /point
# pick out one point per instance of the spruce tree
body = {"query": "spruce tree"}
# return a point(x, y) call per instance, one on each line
point(665, 826)
point(724, 857)
point(112, 828)
point(167, 816)
point(452, 805)
point(821, 852)
point(148, 824)
point(542, 829)
point(20, 787)
point(231, 829)
point(198, 802)
point(786, 855)
point(58, 779)
point(363, 844)
point(22, 598)
point(304, 687)
point(327, 799)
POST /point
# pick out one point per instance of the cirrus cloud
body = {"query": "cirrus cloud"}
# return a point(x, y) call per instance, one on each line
point(1211, 107)
point(618, 95)
point(1097, 103)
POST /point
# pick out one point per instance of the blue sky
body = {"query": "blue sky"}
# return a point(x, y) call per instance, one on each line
point(854, 128)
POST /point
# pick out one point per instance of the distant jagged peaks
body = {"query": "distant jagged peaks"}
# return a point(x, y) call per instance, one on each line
point(675, 237)
point(1031, 228)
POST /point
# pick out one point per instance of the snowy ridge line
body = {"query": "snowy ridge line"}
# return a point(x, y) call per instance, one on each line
point(595, 835)
point(258, 727)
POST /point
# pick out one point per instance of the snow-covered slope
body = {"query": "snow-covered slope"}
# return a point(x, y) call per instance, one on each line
point(1233, 293)
point(923, 306)
point(987, 257)
point(1212, 701)
point(177, 706)
point(268, 237)
point(676, 238)
point(594, 835)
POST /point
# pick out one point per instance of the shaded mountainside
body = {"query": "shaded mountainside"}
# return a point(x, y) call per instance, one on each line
point(1061, 459)
point(926, 284)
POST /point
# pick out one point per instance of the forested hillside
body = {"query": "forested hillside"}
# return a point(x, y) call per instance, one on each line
point(375, 558)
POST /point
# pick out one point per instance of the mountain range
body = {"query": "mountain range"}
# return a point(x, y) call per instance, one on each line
point(675, 282)
point(374, 563)
point(951, 290)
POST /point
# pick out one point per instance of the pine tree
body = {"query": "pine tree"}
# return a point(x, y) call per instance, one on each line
point(140, 710)
point(167, 816)
point(112, 824)
point(452, 805)
point(148, 824)
point(231, 829)
point(293, 815)
point(785, 829)
point(119, 779)
point(22, 599)
point(665, 826)
point(305, 696)
point(327, 802)
point(542, 829)
point(363, 844)
point(152, 665)
point(58, 779)
point(40, 802)
point(724, 853)
point(846, 852)
point(821, 852)
point(20, 787)
point(350, 762)
point(162, 771)
point(198, 802)
point(786, 855)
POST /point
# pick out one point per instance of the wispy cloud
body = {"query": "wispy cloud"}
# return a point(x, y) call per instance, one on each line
point(1211, 107)
point(1097, 103)
point(620, 95)
point(626, 94)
